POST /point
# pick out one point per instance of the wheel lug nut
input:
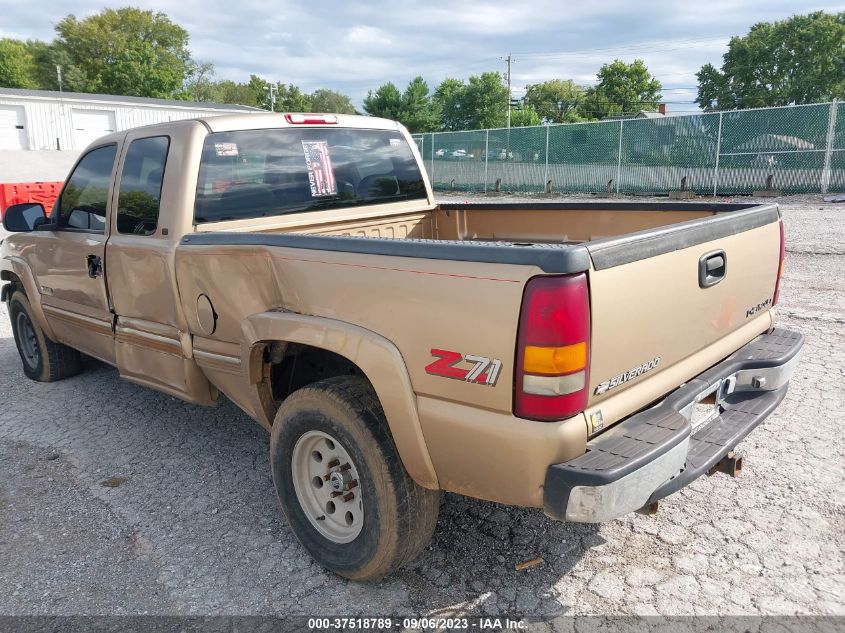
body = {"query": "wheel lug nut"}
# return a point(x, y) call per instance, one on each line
point(334, 462)
point(327, 476)
point(349, 496)
point(351, 484)
point(345, 467)
point(336, 494)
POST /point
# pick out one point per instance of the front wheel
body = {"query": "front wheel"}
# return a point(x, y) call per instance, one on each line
point(43, 359)
point(341, 484)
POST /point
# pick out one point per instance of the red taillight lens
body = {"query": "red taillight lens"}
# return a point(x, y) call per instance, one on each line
point(553, 349)
point(310, 119)
point(780, 264)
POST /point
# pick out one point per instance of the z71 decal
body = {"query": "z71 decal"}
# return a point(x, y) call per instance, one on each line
point(484, 371)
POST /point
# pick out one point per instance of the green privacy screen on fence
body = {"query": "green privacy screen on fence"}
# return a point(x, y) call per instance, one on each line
point(797, 149)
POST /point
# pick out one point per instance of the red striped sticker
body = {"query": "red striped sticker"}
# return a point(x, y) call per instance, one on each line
point(320, 170)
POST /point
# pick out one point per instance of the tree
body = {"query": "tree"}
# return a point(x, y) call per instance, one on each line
point(199, 83)
point(419, 113)
point(486, 99)
point(47, 57)
point(622, 89)
point(385, 102)
point(480, 103)
point(525, 116)
point(291, 99)
point(797, 60)
point(556, 101)
point(449, 98)
point(228, 91)
point(17, 66)
point(127, 52)
point(325, 100)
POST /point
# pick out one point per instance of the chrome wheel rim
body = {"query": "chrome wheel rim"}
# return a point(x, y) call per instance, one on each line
point(28, 340)
point(327, 486)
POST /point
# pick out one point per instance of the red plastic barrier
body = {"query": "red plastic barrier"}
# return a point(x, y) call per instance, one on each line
point(17, 192)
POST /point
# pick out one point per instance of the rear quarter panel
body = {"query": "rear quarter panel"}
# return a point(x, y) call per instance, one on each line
point(417, 304)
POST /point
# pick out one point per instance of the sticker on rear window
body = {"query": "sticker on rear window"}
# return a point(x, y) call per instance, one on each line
point(226, 149)
point(395, 142)
point(320, 170)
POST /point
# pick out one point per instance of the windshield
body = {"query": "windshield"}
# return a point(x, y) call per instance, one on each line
point(256, 173)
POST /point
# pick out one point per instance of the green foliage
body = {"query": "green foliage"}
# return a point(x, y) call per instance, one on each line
point(622, 89)
point(449, 98)
point(795, 61)
point(17, 65)
point(291, 99)
point(556, 101)
point(127, 52)
point(486, 99)
point(419, 112)
point(414, 108)
point(385, 102)
point(325, 100)
point(479, 103)
point(525, 116)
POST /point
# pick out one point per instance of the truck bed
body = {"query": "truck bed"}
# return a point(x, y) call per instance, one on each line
point(557, 237)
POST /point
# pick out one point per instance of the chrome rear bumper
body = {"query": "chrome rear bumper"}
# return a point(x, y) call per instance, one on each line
point(658, 451)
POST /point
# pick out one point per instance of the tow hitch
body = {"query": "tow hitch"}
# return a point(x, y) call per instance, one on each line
point(730, 464)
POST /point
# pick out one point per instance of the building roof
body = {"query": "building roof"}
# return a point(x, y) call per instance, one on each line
point(642, 114)
point(85, 96)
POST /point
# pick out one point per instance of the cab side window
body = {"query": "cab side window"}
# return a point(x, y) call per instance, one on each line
point(86, 194)
point(140, 185)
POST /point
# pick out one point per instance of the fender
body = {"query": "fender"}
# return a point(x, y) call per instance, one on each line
point(23, 272)
point(377, 357)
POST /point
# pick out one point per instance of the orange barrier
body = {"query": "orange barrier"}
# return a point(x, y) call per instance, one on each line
point(17, 192)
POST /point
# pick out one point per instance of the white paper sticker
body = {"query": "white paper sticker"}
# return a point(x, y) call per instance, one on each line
point(226, 149)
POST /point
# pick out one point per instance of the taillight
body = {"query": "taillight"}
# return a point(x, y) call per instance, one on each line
point(310, 119)
point(553, 349)
point(781, 263)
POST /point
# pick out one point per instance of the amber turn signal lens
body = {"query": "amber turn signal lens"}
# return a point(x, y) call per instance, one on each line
point(555, 360)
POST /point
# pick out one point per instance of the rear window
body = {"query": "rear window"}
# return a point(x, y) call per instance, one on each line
point(257, 173)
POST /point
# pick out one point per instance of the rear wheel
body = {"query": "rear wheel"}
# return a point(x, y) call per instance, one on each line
point(341, 484)
point(43, 359)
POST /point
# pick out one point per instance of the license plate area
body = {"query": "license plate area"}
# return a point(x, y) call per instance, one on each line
point(707, 405)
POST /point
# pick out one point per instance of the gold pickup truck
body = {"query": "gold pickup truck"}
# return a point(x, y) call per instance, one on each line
point(587, 358)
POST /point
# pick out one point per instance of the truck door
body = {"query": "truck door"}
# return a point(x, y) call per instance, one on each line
point(68, 262)
point(151, 344)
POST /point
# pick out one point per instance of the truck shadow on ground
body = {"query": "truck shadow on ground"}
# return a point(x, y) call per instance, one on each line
point(471, 565)
point(196, 476)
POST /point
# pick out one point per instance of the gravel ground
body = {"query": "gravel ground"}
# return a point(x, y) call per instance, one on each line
point(115, 499)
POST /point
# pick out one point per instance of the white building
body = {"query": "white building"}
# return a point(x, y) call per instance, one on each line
point(68, 121)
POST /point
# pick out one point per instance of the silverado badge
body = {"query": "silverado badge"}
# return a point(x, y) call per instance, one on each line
point(625, 376)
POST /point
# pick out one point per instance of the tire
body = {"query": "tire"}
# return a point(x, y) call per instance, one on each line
point(395, 518)
point(43, 359)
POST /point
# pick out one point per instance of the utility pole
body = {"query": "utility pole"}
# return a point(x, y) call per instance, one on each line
point(508, 61)
point(272, 90)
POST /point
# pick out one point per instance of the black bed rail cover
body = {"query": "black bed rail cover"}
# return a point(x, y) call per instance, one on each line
point(550, 258)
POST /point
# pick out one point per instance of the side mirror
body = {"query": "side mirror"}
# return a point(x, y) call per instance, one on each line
point(24, 217)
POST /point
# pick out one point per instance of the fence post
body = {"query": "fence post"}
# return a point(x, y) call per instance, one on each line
point(831, 126)
point(486, 156)
point(431, 175)
point(718, 153)
point(619, 157)
point(546, 179)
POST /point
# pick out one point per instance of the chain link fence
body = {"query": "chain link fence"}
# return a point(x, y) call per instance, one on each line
point(796, 149)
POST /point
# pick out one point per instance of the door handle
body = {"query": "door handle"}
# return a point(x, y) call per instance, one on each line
point(712, 268)
point(95, 266)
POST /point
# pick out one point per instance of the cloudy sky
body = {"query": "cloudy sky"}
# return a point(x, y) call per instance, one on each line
point(356, 46)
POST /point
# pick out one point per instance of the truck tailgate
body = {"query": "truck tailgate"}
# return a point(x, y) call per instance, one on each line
point(659, 297)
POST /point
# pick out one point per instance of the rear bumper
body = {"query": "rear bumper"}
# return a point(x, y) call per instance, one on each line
point(658, 451)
